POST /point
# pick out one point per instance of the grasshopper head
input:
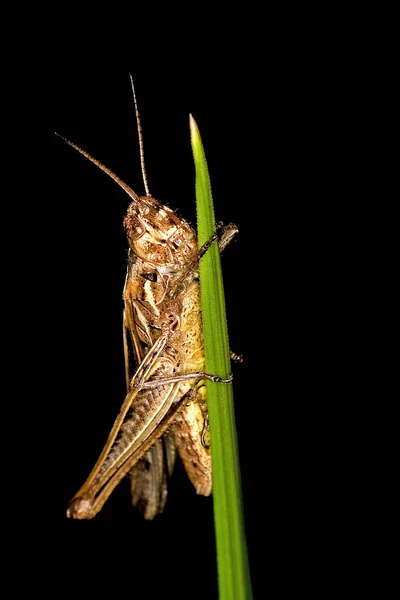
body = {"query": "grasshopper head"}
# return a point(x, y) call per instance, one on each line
point(157, 235)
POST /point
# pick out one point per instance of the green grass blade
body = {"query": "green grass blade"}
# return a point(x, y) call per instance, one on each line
point(233, 569)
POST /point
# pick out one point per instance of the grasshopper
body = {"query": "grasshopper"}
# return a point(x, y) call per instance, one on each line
point(165, 408)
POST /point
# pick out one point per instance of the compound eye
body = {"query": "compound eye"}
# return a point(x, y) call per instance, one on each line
point(134, 227)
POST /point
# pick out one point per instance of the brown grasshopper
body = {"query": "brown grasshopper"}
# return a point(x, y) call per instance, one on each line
point(165, 409)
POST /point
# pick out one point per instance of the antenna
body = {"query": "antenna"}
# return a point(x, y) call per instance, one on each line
point(139, 127)
point(125, 187)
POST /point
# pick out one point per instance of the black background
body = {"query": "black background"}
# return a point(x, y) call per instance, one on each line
point(263, 141)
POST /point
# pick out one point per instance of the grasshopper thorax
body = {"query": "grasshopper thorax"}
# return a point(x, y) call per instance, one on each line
point(157, 235)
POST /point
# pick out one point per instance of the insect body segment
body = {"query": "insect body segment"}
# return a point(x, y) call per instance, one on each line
point(157, 235)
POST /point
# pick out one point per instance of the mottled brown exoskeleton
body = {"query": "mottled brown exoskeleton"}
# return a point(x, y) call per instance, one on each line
point(165, 409)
